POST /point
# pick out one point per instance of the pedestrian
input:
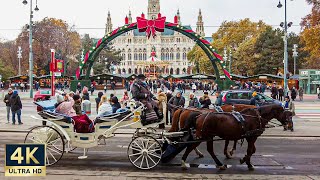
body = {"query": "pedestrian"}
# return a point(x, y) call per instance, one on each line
point(318, 92)
point(115, 104)
point(105, 88)
point(274, 91)
point(301, 93)
point(194, 87)
point(219, 99)
point(79, 87)
point(175, 102)
point(6, 100)
point(289, 106)
point(16, 107)
point(169, 96)
point(205, 100)
point(162, 98)
point(254, 99)
point(155, 87)
point(193, 102)
point(98, 99)
point(92, 89)
point(125, 98)
point(281, 93)
point(293, 93)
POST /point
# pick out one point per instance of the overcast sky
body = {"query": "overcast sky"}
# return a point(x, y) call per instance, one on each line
point(93, 14)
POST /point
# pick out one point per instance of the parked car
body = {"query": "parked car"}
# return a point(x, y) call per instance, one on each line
point(244, 97)
point(42, 95)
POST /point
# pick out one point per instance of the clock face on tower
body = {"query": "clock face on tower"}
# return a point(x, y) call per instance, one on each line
point(154, 6)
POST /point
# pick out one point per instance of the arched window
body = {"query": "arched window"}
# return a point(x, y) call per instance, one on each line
point(178, 56)
point(184, 56)
point(119, 71)
point(140, 56)
point(135, 56)
point(140, 71)
point(171, 56)
point(171, 71)
point(178, 71)
point(136, 71)
point(167, 56)
point(129, 71)
point(123, 71)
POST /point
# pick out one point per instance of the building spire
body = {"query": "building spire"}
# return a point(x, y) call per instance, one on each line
point(200, 27)
point(130, 17)
point(109, 23)
point(178, 15)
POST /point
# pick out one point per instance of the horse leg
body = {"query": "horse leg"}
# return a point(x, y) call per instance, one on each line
point(211, 152)
point(250, 150)
point(198, 152)
point(234, 148)
point(186, 154)
point(225, 151)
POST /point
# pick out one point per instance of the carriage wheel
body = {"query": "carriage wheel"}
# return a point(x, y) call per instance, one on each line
point(53, 140)
point(144, 152)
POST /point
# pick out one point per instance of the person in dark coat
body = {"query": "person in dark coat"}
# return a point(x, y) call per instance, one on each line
point(193, 102)
point(205, 101)
point(281, 94)
point(141, 92)
point(293, 94)
point(175, 102)
point(16, 107)
point(115, 104)
point(6, 100)
point(219, 99)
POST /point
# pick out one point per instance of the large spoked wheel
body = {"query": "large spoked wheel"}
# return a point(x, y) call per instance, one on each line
point(53, 140)
point(144, 152)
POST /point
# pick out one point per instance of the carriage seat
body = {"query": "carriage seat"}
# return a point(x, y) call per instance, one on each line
point(118, 116)
point(53, 115)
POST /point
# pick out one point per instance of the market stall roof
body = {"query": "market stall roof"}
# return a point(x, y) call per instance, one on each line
point(22, 77)
point(295, 77)
point(266, 76)
point(106, 76)
point(238, 76)
point(49, 76)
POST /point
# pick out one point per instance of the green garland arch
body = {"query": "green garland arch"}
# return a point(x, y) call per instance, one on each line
point(93, 53)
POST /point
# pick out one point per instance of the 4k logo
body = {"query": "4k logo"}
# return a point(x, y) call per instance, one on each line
point(25, 160)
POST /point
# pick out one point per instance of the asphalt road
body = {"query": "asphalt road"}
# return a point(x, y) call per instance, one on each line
point(274, 156)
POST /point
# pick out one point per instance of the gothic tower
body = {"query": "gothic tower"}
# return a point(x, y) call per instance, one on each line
point(130, 17)
point(109, 23)
point(179, 18)
point(200, 28)
point(153, 9)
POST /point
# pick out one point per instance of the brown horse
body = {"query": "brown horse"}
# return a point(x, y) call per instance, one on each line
point(226, 127)
point(181, 115)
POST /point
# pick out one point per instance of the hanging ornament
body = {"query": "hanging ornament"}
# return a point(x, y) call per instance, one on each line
point(151, 26)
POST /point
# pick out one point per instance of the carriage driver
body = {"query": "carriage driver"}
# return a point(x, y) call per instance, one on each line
point(140, 92)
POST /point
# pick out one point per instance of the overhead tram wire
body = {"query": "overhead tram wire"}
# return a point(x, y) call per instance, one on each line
point(93, 28)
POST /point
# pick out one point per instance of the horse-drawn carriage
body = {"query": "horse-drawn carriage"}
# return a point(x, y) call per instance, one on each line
point(62, 134)
point(149, 146)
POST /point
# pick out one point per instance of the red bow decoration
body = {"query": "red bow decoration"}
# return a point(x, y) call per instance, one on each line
point(151, 26)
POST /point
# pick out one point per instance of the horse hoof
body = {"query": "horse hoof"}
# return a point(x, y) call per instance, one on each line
point(223, 167)
point(231, 153)
point(242, 161)
point(228, 155)
point(201, 155)
point(251, 168)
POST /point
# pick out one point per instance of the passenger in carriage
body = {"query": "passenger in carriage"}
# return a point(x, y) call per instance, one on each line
point(104, 107)
point(65, 105)
point(77, 104)
point(115, 104)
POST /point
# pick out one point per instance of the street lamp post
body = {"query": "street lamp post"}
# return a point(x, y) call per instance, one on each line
point(230, 61)
point(19, 58)
point(295, 55)
point(285, 40)
point(30, 45)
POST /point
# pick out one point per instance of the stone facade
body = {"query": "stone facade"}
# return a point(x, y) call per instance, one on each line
point(169, 45)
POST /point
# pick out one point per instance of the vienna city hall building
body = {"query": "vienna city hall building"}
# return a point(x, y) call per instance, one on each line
point(170, 47)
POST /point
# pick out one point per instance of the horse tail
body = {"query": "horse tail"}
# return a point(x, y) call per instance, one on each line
point(175, 120)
